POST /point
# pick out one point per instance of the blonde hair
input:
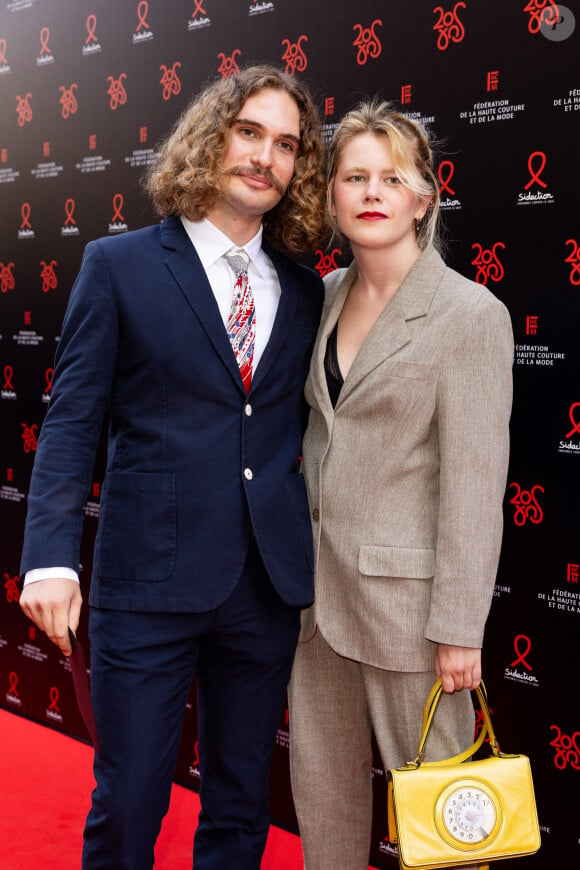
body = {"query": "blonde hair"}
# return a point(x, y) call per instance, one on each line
point(185, 179)
point(412, 156)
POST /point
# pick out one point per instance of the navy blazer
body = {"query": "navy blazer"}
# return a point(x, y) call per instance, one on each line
point(194, 465)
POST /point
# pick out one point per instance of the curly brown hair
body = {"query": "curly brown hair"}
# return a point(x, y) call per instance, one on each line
point(185, 179)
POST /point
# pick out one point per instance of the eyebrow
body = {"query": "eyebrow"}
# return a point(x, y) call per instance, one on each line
point(363, 169)
point(247, 122)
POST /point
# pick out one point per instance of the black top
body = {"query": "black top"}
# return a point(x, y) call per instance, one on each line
point(334, 378)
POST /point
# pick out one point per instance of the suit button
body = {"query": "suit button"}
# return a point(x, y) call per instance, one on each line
point(248, 473)
point(316, 514)
point(248, 410)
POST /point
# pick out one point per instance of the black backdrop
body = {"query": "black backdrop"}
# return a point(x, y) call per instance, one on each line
point(88, 88)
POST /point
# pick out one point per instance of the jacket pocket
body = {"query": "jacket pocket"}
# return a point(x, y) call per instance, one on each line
point(409, 370)
point(138, 527)
point(410, 562)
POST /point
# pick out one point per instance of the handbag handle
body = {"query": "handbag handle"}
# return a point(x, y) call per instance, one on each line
point(428, 714)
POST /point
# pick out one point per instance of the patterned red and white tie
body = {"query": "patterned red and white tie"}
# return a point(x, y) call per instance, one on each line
point(242, 318)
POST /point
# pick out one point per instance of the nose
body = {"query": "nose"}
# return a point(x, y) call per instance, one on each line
point(263, 153)
point(372, 190)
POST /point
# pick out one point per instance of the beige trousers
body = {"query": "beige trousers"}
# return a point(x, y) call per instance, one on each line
point(335, 704)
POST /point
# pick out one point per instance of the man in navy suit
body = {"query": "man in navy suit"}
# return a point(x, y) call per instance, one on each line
point(203, 556)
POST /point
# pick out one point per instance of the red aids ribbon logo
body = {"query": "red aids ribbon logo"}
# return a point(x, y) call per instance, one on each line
point(367, 42)
point(199, 10)
point(48, 275)
point(6, 277)
point(11, 587)
point(526, 505)
point(142, 10)
point(8, 372)
point(326, 263)
point(448, 167)
point(521, 656)
point(29, 437)
point(567, 749)
point(449, 26)
point(170, 80)
point(575, 423)
point(91, 27)
point(54, 696)
point(25, 214)
point(228, 65)
point(13, 679)
point(3, 51)
point(541, 12)
point(535, 176)
point(69, 208)
point(117, 206)
point(574, 260)
point(44, 37)
point(48, 376)
point(24, 110)
point(488, 264)
point(116, 91)
point(68, 100)
point(296, 60)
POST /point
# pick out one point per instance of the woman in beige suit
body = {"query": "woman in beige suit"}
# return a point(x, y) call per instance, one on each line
point(405, 460)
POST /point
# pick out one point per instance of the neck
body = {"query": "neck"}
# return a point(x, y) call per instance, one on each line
point(382, 272)
point(240, 229)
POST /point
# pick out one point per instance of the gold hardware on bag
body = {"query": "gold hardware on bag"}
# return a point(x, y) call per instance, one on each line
point(456, 811)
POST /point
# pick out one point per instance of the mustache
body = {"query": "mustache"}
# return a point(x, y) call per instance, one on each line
point(255, 171)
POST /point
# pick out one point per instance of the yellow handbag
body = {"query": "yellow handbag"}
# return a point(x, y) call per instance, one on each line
point(458, 812)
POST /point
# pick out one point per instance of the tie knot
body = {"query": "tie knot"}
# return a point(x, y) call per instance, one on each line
point(238, 260)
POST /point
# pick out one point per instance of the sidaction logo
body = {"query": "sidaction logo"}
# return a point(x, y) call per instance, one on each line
point(535, 191)
point(568, 445)
point(522, 646)
point(446, 172)
point(69, 228)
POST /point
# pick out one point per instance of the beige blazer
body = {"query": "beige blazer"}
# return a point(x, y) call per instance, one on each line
point(406, 475)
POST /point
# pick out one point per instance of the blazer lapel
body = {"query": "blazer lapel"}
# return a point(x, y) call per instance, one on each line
point(334, 302)
point(185, 266)
point(390, 332)
point(282, 321)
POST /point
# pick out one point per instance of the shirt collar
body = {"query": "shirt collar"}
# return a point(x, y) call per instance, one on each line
point(211, 244)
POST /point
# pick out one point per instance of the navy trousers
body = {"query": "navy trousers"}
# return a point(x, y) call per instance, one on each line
point(142, 665)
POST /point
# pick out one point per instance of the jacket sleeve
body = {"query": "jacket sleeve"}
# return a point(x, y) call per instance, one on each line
point(474, 396)
point(84, 370)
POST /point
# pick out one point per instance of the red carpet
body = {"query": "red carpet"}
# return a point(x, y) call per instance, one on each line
point(45, 785)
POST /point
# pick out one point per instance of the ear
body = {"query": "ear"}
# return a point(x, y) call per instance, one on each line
point(423, 207)
point(330, 199)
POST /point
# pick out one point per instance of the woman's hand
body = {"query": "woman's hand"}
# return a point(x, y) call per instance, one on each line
point(458, 667)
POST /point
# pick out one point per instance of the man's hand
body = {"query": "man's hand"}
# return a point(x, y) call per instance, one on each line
point(53, 605)
point(459, 667)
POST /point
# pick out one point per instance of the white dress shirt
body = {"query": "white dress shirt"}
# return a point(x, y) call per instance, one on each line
point(211, 245)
